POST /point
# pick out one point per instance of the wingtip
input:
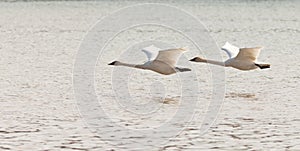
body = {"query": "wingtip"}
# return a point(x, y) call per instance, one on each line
point(226, 45)
point(260, 47)
point(152, 46)
point(184, 48)
point(257, 48)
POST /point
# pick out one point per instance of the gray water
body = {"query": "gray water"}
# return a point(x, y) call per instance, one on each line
point(39, 43)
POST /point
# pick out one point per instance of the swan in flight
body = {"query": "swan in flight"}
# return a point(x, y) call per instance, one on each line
point(160, 61)
point(239, 58)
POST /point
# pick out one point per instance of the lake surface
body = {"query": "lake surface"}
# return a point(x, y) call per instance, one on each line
point(40, 42)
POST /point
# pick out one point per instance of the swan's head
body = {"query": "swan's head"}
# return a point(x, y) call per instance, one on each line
point(198, 59)
point(114, 63)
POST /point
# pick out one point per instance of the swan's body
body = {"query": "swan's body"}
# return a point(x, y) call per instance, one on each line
point(239, 58)
point(160, 61)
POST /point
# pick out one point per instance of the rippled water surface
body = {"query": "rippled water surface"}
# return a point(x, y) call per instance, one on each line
point(38, 46)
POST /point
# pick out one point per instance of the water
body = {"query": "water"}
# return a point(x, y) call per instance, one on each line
point(39, 43)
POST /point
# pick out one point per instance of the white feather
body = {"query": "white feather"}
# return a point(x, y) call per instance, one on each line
point(248, 54)
point(170, 56)
point(151, 52)
point(231, 50)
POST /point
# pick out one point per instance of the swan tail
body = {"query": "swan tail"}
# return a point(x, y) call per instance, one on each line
point(263, 66)
point(182, 69)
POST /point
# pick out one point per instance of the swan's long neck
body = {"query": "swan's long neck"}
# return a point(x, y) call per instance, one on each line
point(140, 66)
point(220, 63)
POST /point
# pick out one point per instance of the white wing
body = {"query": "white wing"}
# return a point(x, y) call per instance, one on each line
point(170, 56)
point(248, 54)
point(231, 50)
point(151, 52)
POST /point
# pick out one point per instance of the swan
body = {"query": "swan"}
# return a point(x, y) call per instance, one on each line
point(160, 61)
point(239, 58)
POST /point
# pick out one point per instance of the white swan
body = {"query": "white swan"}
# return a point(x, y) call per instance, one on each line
point(162, 61)
point(239, 58)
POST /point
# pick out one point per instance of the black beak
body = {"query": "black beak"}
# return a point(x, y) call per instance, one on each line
point(194, 59)
point(112, 63)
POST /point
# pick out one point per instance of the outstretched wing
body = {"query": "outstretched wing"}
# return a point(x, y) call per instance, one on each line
point(231, 50)
point(248, 54)
point(151, 52)
point(170, 56)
